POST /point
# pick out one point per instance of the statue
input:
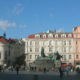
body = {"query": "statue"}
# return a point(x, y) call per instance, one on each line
point(42, 52)
point(58, 56)
point(51, 61)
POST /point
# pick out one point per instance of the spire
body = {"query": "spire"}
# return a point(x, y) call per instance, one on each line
point(4, 35)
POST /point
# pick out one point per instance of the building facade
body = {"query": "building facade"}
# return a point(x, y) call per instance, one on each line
point(10, 49)
point(4, 51)
point(76, 39)
point(51, 42)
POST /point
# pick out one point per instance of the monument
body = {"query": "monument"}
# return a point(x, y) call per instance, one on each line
point(49, 62)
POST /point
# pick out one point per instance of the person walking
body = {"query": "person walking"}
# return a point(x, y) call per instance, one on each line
point(17, 69)
point(67, 71)
point(61, 72)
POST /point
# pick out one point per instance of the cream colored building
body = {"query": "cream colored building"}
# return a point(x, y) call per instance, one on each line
point(51, 42)
point(4, 51)
point(10, 49)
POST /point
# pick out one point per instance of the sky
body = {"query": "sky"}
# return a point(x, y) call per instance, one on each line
point(20, 18)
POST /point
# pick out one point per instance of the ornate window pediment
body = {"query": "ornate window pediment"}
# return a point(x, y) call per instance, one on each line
point(37, 36)
point(69, 35)
point(56, 35)
point(63, 35)
point(50, 35)
point(44, 36)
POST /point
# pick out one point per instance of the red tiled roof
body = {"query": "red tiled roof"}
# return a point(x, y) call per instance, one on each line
point(13, 40)
point(59, 35)
point(75, 28)
point(2, 39)
point(31, 36)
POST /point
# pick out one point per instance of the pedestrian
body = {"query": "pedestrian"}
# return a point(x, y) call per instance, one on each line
point(61, 72)
point(67, 71)
point(39, 69)
point(44, 69)
point(17, 69)
point(35, 68)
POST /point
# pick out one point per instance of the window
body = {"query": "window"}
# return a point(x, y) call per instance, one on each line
point(56, 49)
point(5, 56)
point(30, 49)
point(50, 36)
point(0, 55)
point(36, 56)
point(56, 43)
point(76, 36)
point(70, 35)
point(36, 49)
point(56, 36)
point(64, 57)
point(76, 42)
point(64, 42)
point(37, 36)
point(63, 35)
point(69, 56)
point(50, 42)
point(26, 43)
point(70, 49)
point(36, 43)
point(76, 49)
point(63, 49)
point(69, 42)
point(77, 56)
point(30, 56)
point(44, 36)
point(30, 42)
point(50, 49)
point(43, 43)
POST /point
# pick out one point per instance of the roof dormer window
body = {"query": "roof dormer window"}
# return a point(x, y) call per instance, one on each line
point(56, 35)
point(70, 35)
point(37, 36)
point(50, 36)
point(63, 35)
point(44, 36)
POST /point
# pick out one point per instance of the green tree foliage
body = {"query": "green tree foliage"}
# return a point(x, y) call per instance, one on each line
point(20, 60)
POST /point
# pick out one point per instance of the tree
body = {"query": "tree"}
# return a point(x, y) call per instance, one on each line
point(20, 60)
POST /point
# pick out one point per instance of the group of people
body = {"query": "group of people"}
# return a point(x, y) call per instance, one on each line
point(62, 70)
point(38, 69)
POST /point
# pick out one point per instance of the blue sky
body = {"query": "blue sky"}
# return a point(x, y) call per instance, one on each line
point(20, 18)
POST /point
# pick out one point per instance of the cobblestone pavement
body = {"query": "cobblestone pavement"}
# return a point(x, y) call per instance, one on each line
point(23, 75)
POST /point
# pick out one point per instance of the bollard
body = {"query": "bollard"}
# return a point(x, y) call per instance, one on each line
point(35, 77)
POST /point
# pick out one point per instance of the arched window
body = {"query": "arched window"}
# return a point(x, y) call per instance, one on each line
point(63, 35)
point(50, 36)
point(37, 36)
point(69, 35)
point(56, 35)
point(44, 36)
point(64, 42)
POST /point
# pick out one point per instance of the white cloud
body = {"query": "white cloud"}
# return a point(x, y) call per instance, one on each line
point(18, 9)
point(5, 24)
point(60, 30)
point(51, 14)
